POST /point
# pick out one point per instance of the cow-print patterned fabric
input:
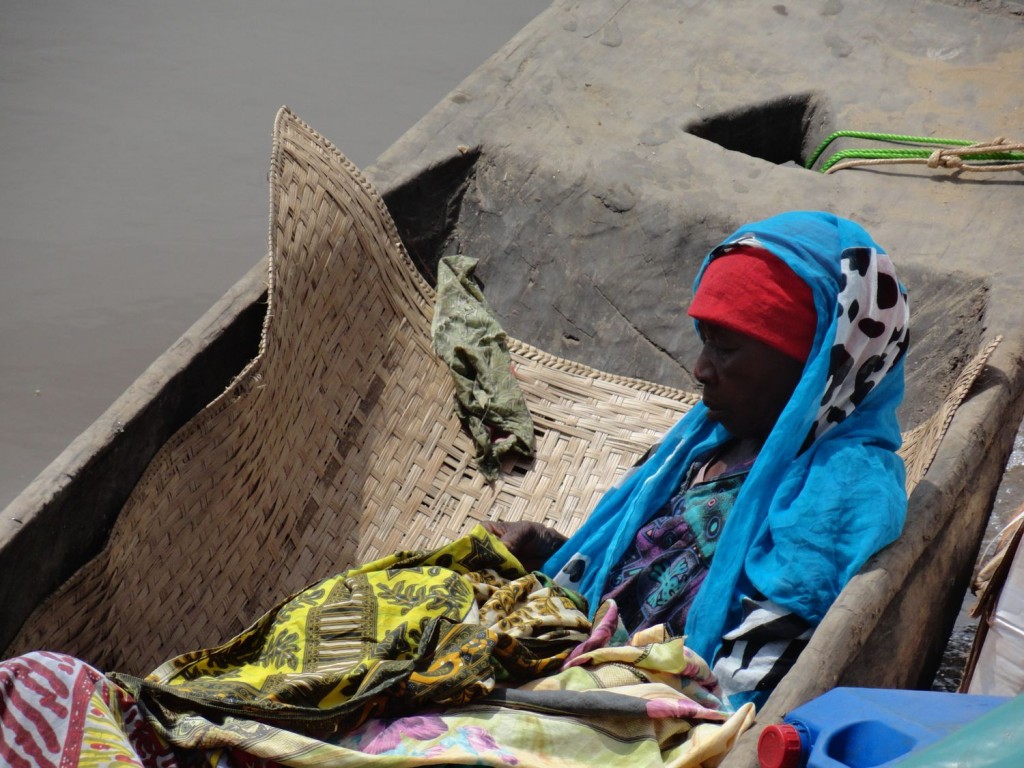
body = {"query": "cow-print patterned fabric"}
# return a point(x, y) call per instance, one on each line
point(872, 334)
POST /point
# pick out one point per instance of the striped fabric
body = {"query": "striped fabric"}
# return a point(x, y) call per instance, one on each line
point(756, 655)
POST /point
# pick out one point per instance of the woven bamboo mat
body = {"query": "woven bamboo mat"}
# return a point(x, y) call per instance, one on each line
point(338, 443)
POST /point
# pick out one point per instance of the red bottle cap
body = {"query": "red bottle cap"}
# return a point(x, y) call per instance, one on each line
point(779, 747)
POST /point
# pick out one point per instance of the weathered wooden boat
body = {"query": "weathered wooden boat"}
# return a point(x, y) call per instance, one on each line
point(183, 520)
point(338, 442)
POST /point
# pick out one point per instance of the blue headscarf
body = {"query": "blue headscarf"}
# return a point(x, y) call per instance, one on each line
point(827, 489)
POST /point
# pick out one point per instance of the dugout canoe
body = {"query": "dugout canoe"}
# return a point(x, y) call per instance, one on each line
point(550, 167)
point(233, 507)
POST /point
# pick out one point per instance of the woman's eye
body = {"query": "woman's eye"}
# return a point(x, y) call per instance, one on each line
point(721, 348)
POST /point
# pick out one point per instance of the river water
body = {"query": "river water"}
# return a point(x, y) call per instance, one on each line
point(136, 145)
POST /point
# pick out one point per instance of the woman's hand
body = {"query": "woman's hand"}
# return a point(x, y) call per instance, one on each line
point(531, 543)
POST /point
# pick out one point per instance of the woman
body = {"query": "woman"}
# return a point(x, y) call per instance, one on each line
point(743, 525)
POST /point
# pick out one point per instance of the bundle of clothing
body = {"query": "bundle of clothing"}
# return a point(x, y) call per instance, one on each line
point(454, 656)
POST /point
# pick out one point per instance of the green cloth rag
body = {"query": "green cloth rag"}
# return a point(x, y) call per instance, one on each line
point(470, 340)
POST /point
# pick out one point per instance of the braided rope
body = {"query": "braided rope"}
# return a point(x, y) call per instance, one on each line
point(953, 154)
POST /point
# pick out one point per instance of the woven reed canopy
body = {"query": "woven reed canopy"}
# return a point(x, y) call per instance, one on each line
point(339, 442)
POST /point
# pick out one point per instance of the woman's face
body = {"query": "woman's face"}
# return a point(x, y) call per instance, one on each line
point(746, 383)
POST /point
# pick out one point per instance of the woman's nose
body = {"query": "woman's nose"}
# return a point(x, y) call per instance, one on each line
point(703, 370)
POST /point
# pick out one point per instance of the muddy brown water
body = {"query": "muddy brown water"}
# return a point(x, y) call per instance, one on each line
point(137, 139)
point(136, 147)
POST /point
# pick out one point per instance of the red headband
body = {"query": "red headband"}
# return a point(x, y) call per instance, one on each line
point(753, 292)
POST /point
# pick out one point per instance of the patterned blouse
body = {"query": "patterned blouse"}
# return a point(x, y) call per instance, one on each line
point(658, 577)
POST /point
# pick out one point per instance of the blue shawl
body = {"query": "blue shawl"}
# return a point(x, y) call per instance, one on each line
point(827, 489)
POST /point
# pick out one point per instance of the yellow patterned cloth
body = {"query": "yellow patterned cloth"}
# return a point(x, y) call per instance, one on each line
point(454, 656)
point(407, 631)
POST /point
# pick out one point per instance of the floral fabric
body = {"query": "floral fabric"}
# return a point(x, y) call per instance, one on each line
point(397, 663)
point(387, 638)
point(658, 577)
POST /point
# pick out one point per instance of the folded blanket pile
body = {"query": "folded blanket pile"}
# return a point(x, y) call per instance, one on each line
point(450, 656)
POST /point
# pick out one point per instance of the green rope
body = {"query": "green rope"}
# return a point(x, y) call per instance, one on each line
point(908, 152)
point(897, 138)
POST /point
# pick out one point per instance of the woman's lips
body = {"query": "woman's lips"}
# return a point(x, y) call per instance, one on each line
point(716, 411)
point(711, 405)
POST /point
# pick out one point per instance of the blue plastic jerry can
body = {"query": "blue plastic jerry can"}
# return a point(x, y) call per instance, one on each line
point(867, 727)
